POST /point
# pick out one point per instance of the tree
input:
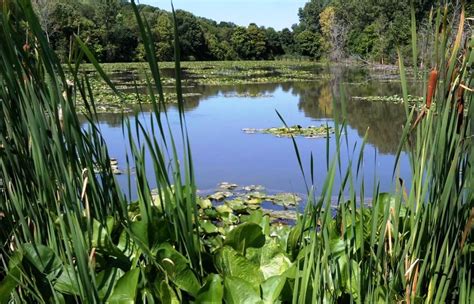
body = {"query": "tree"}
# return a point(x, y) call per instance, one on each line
point(191, 37)
point(163, 32)
point(44, 10)
point(309, 14)
point(274, 45)
point(287, 41)
point(309, 44)
point(333, 32)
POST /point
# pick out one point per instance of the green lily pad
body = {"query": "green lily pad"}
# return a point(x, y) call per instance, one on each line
point(223, 209)
point(211, 213)
point(204, 203)
point(219, 196)
point(257, 194)
point(285, 199)
point(297, 130)
point(236, 205)
point(208, 227)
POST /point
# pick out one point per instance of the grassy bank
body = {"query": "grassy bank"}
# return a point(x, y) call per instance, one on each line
point(69, 234)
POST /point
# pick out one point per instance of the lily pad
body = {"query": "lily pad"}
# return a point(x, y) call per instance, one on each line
point(296, 130)
point(285, 199)
point(205, 203)
point(236, 204)
point(208, 227)
point(219, 196)
point(223, 209)
point(253, 201)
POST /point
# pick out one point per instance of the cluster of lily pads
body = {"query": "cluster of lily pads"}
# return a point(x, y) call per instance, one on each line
point(108, 102)
point(392, 99)
point(296, 130)
point(232, 199)
point(247, 95)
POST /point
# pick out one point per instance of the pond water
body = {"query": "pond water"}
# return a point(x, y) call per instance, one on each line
point(223, 152)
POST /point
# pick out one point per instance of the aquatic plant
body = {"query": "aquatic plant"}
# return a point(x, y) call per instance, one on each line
point(297, 130)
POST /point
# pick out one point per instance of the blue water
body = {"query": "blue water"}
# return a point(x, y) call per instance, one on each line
point(223, 152)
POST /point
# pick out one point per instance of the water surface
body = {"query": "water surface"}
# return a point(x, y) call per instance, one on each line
point(222, 152)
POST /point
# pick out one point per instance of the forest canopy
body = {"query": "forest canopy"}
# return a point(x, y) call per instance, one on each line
point(327, 29)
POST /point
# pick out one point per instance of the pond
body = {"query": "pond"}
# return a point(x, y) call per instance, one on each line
point(216, 116)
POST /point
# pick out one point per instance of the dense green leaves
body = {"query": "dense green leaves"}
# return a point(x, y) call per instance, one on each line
point(244, 236)
point(327, 29)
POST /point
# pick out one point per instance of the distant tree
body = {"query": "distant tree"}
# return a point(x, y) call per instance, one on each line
point(287, 41)
point(258, 42)
point(334, 33)
point(309, 14)
point(309, 44)
point(274, 44)
point(163, 32)
point(191, 37)
point(249, 43)
point(44, 10)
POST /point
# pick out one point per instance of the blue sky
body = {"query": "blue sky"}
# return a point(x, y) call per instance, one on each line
point(270, 13)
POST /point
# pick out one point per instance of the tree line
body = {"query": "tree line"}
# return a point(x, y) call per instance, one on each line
point(333, 29)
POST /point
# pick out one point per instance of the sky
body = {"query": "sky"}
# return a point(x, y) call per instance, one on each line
point(269, 13)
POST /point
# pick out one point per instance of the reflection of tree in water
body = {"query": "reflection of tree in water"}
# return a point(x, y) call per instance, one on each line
point(204, 92)
point(385, 120)
point(316, 101)
point(111, 119)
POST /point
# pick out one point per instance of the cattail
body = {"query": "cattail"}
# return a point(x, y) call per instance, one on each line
point(433, 78)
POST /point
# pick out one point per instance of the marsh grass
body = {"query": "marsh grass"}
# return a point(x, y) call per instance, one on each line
point(69, 234)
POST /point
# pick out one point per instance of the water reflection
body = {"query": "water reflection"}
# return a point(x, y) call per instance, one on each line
point(222, 152)
point(383, 120)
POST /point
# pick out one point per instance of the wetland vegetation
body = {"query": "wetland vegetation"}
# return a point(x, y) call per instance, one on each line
point(73, 231)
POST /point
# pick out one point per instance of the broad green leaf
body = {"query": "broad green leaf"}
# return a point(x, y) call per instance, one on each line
point(204, 203)
point(272, 288)
point(10, 282)
point(212, 291)
point(231, 263)
point(100, 234)
point(391, 200)
point(140, 231)
point(294, 238)
point(276, 266)
point(350, 275)
point(42, 258)
point(237, 290)
point(126, 289)
point(106, 281)
point(244, 236)
point(177, 268)
point(67, 282)
point(168, 296)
